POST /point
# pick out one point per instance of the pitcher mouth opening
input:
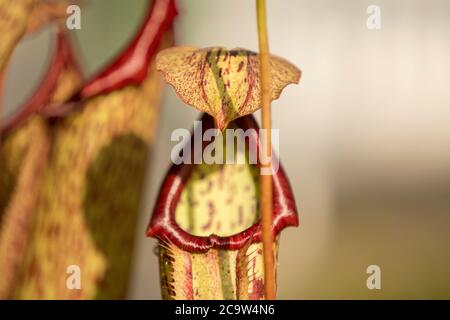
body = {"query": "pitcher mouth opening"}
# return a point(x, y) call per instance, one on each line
point(62, 60)
point(204, 206)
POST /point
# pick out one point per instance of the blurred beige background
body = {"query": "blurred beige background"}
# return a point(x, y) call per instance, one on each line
point(365, 138)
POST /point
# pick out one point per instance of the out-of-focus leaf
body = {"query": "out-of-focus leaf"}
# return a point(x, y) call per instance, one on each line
point(18, 17)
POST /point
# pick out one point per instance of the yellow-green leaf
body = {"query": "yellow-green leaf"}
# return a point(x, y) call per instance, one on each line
point(223, 83)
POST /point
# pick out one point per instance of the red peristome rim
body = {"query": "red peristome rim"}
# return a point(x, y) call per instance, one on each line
point(131, 66)
point(62, 58)
point(164, 227)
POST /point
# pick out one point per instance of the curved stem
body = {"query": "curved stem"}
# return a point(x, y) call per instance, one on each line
point(266, 180)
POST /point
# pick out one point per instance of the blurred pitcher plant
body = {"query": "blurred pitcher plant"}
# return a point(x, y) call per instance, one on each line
point(25, 138)
point(92, 163)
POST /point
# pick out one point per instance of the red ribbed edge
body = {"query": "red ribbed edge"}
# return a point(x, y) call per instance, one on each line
point(131, 66)
point(164, 227)
point(62, 57)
